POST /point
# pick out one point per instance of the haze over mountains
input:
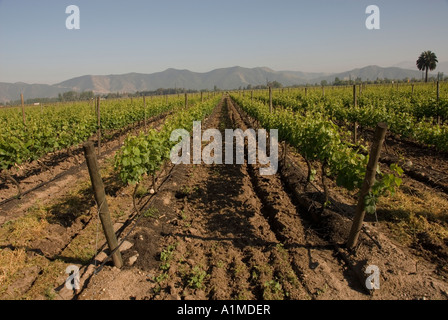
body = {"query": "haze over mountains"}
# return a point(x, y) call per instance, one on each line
point(225, 79)
point(441, 67)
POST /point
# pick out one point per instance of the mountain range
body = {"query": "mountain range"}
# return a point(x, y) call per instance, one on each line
point(225, 78)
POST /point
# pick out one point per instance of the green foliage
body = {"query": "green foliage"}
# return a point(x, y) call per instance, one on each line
point(387, 184)
point(311, 129)
point(52, 128)
point(151, 213)
point(316, 137)
point(140, 155)
point(166, 256)
point(144, 154)
point(196, 278)
point(410, 115)
point(273, 290)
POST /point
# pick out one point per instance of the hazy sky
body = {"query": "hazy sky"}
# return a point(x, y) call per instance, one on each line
point(147, 36)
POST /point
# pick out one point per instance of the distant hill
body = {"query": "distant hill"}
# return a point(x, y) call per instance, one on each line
point(12, 91)
point(373, 73)
point(225, 78)
point(441, 66)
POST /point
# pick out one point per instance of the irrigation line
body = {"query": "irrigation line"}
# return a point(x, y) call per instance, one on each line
point(342, 210)
point(149, 201)
point(295, 165)
point(97, 227)
point(75, 168)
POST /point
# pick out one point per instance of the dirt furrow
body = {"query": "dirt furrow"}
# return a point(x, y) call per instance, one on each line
point(55, 168)
point(50, 224)
point(397, 264)
point(311, 257)
point(223, 231)
point(217, 243)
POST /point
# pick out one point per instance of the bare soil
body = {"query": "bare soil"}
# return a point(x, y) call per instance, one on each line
point(55, 225)
point(226, 232)
point(220, 232)
point(55, 172)
point(425, 182)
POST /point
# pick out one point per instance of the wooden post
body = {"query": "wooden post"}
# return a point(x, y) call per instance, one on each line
point(270, 100)
point(202, 96)
point(98, 115)
point(306, 92)
point(369, 180)
point(186, 100)
point(355, 125)
point(100, 197)
point(438, 101)
point(23, 110)
point(144, 108)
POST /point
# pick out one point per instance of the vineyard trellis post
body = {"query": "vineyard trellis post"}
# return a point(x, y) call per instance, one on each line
point(270, 99)
point(103, 208)
point(186, 100)
point(144, 108)
point(98, 115)
point(380, 134)
point(355, 124)
point(438, 102)
point(23, 109)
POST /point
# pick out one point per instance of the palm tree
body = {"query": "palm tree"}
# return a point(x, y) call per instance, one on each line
point(427, 62)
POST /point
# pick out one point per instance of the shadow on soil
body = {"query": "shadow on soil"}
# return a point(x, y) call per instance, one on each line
point(71, 208)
